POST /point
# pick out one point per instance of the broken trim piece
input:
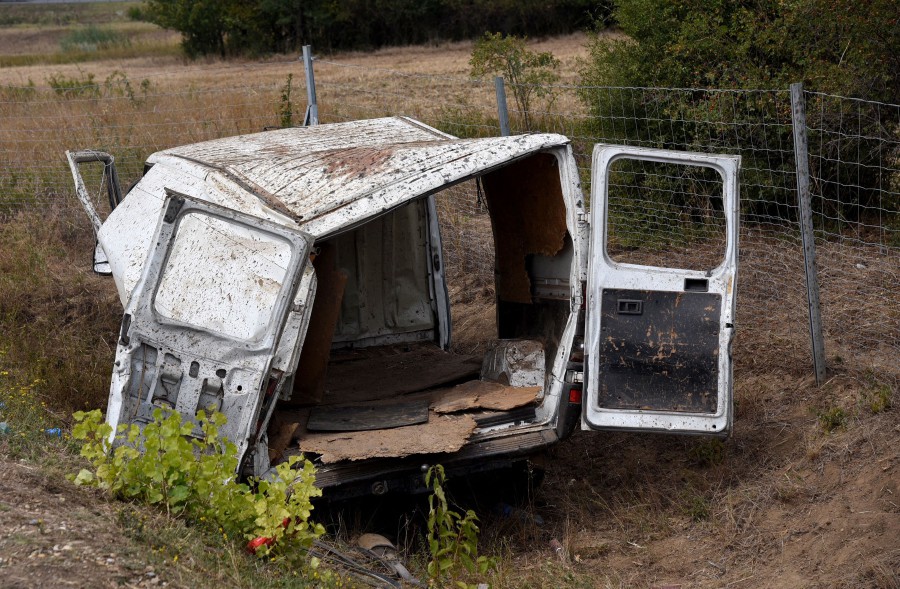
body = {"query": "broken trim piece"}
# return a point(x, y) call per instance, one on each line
point(114, 191)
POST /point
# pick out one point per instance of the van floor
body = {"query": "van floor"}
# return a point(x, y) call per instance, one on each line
point(390, 372)
point(399, 400)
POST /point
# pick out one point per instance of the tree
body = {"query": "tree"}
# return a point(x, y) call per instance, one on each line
point(528, 73)
point(202, 23)
point(844, 47)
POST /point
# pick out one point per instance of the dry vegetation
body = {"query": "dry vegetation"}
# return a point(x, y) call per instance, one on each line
point(804, 494)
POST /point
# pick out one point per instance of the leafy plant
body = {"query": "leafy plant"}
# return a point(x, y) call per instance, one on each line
point(527, 72)
point(82, 86)
point(286, 107)
point(452, 538)
point(165, 463)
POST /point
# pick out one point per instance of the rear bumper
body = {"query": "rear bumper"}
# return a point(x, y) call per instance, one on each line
point(405, 475)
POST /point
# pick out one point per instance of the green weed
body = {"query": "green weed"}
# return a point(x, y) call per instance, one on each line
point(452, 538)
point(84, 86)
point(880, 398)
point(698, 508)
point(707, 453)
point(832, 419)
point(166, 463)
point(286, 107)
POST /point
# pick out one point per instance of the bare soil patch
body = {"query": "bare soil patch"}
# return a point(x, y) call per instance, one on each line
point(54, 534)
point(781, 504)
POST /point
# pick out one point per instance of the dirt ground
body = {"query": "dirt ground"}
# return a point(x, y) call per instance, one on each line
point(781, 504)
point(54, 534)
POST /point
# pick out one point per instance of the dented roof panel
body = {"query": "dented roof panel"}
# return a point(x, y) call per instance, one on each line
point(353, 169)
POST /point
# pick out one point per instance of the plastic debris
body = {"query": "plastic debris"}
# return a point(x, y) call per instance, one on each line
point(54, 432)
point(4, 428)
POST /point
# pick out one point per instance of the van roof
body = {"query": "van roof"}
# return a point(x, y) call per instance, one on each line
point(332, 176)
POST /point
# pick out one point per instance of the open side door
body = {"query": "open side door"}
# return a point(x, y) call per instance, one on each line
point(114, 195)
point(661, 291)
point(216, 321)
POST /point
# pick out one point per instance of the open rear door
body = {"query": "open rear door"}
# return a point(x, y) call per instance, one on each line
point(661, 291)
point(215, 322)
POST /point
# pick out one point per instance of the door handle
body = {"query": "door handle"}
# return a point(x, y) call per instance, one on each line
point(630, 307)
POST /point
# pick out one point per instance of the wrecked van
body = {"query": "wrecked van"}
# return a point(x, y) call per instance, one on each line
point(299, 281)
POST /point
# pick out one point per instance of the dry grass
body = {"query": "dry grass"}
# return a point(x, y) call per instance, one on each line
point(57, 320)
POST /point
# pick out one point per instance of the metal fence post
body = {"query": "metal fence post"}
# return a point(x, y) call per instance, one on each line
point(312, 108)
point(502, 112)
point(801, 160)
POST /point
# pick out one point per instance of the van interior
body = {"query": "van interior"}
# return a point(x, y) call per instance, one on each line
point(373, 378)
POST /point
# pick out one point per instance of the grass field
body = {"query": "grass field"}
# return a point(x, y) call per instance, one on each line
point(806, 493)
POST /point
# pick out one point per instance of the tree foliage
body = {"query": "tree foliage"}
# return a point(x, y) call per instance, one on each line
point(844, 47)
point(232, 27)
point(840, 46)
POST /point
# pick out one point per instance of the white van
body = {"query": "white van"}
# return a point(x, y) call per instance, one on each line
point(296, 281)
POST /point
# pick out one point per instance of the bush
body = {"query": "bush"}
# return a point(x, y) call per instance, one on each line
point(164, 463)
point(528, 73)
point(840, 47)
point(92, 38)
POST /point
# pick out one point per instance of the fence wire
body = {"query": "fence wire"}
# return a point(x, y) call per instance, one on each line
point(855, 184)
point(666, 214)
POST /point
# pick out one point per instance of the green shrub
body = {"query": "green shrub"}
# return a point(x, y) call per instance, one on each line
point(93, 38)
point(528, 74)
point(163, 464)
point(82, 86)
point(840, 47)
point(879, 398)
point(136, 13)
point(832, 419)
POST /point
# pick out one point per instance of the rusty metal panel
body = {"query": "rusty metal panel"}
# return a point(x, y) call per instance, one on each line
point(659, 350)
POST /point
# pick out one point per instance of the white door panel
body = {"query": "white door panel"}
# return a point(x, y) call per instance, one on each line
point(660, 309)
point(205, 327)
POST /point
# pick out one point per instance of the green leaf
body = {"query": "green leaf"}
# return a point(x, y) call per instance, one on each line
point(85, 477)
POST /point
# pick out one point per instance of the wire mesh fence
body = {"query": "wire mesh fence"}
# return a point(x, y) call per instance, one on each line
point(854, 150)
point(128, 119)
point(855, 184)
